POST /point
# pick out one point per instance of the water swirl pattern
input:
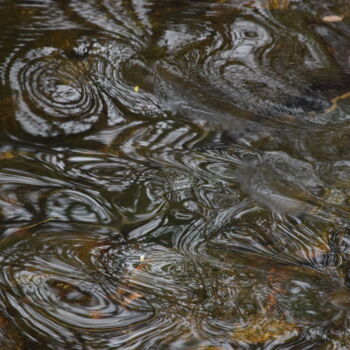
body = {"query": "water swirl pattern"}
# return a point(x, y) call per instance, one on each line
point(174, 174)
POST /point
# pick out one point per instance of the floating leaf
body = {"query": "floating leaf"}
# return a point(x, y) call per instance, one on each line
point(6, 155)
point(332, 18)
point(136, 88)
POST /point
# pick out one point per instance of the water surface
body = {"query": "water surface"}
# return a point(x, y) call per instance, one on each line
point(174, 174)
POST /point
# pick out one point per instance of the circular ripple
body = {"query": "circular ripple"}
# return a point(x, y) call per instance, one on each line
point(50, 279)
point(72, 85)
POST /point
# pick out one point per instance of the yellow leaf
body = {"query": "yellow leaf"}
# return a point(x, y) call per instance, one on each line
point(6, 155)
point(136, 88)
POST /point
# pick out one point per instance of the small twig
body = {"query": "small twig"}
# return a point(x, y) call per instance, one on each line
point(38, 223)
point(335, 102)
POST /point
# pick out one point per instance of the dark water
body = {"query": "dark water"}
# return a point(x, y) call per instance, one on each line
point(174, 174)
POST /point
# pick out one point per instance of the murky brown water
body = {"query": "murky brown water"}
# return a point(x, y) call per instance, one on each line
point(174, 174)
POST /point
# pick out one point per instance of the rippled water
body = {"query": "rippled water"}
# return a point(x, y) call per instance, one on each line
point(174, 174)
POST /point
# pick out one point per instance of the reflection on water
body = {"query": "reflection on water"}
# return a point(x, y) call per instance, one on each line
point(174, 174)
